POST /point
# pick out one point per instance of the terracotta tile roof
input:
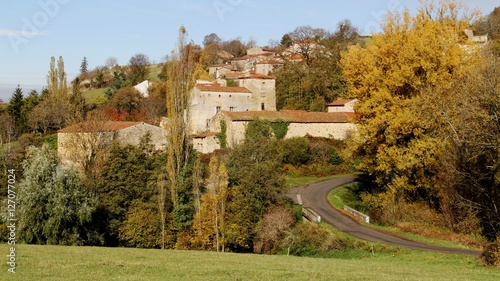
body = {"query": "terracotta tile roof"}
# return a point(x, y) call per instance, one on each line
point(99, 126)
point(269, 62)
point(248, 76)
point(293, 116)
point(204, 135)
point(220, 89)
point(340, 101)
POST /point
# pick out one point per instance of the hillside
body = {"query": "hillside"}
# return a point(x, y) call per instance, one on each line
point(99, 263)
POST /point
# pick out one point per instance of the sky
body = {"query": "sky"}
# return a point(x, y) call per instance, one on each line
point(32, 31)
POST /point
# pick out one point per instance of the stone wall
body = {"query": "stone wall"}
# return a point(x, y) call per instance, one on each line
point(204, 106)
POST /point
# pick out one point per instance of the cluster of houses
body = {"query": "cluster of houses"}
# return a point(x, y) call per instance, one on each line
point(242, 91)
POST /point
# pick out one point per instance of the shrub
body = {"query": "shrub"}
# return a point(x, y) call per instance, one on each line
point(296, 151)
point(491, 254)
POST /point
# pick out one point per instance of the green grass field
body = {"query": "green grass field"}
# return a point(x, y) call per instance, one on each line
point(99, 263)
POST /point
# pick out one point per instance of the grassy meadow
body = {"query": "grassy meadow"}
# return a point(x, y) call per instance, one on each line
point(36, 262)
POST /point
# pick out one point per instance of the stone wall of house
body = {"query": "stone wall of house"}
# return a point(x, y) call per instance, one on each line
point(75, 148)
point(204, 106)
point(132, 135)
point(338, 131)
point(206, 144)
point(263, 92)
point(235, 131)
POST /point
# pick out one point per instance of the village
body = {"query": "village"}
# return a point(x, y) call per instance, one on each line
point(213, 102)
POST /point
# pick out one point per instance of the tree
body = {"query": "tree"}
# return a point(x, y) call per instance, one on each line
point(179, 85)
point(256, 183)
point(127, 180)
point(111, 62)
point(52, 112)
point(211, 39)
point(389, 77)
point(139, 68)
point(317, 80)
point(53, 206)
point(469, 186)
point(127, 102)
point(77, 102)
point(217, 188)
point(84, 66)
point(14, 108)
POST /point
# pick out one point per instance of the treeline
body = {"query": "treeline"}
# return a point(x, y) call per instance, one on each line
point(232, 200)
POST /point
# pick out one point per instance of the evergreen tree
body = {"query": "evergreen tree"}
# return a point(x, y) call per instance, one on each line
point(15, 110)
point(84, 66)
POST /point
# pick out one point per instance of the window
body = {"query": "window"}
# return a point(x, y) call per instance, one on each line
point(262, 107)
point(231, 108)
point(208, 123)
point(217, 109)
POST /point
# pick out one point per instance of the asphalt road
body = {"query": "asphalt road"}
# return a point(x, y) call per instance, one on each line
point(314, 196)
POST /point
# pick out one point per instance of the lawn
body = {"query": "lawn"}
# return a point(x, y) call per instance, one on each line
point(99, 263)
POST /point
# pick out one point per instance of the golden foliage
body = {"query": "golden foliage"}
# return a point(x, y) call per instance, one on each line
point(390, 78)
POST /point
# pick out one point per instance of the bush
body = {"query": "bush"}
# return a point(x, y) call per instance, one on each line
point(491, 254)
point(296, 151)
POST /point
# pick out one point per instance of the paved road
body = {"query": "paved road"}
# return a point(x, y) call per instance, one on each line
point(314, 196)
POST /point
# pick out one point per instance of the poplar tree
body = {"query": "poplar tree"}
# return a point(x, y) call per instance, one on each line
point(179, 85)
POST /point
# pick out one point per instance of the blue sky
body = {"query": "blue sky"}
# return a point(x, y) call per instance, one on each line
point(33, 31)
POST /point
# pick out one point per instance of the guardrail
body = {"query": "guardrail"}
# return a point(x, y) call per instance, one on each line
point(357, 214)
point(311, 215)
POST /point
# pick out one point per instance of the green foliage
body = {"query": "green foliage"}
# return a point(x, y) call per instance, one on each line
point(128, 178)
point(280, 129)
point(296, 151)
point(51, 140)
point(231, 83)
point(258, 131)
point(222, 135)
point(142, 228)
point(53, 206)
point(256, 183)
point(15, 109)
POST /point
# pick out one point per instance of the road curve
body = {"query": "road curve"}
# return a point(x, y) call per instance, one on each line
point(314, 196)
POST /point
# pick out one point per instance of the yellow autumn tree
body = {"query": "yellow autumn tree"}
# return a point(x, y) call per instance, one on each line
point(211, 228)
point(388, 76)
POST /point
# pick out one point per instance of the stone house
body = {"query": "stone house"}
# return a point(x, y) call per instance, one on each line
point(78, 142)
point(267, 66)
point(342, 105)
point(337, 125)
point(255, 92)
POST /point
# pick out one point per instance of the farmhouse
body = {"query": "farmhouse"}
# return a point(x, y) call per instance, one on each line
point(78, 143)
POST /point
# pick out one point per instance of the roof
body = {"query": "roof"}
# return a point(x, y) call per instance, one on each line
point(340, 102)
point(204, 135)
point(219, 88)
point(98, 126)
point(248, 76)
point(292, 116)
point(274, 62)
